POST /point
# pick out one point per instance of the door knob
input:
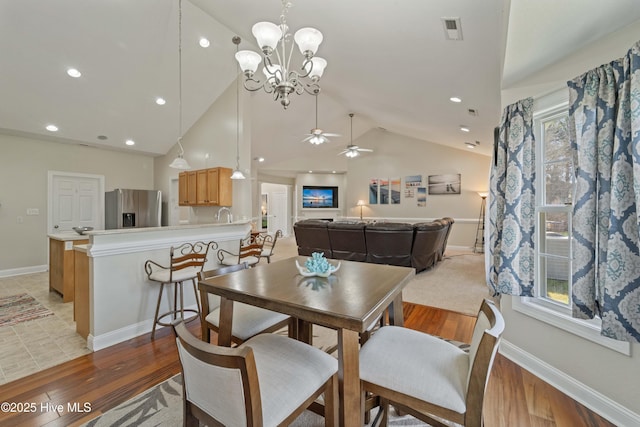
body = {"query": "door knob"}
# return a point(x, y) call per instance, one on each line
point(55, 226)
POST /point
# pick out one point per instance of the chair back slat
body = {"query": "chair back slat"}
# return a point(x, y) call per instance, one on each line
point(205, 366)
point(484, 346)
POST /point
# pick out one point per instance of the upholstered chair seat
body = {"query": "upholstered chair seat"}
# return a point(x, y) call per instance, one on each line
point(267, 381)
point(430, 378)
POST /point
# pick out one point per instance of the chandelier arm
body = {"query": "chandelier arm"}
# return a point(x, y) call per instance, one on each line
point(304, 68)
point(259, 85)
point(311, 88)
point(293, 45)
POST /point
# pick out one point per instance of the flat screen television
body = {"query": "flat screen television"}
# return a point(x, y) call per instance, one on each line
point(316, 196)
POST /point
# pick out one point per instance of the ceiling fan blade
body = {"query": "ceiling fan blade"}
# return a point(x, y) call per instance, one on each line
point(343, 152)
point(331, 134)
point(307, 138)
point(368, 150)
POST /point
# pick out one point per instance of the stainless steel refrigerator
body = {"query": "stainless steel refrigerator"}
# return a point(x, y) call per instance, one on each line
point(132, 208)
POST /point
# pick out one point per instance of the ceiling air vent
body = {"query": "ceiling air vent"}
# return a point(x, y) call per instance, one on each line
point(452, 28)
point(472, 112)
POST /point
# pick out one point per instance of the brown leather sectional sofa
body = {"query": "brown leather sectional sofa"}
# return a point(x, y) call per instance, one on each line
point(419, 245)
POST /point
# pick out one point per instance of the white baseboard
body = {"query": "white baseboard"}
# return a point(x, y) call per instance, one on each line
point(592, 399)
point(23, 270)
point(99, 342)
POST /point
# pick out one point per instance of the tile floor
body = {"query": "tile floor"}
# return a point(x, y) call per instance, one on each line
point(32, 346)
point(29, 347)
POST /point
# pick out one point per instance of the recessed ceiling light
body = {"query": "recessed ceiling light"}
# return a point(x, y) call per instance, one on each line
point(130, 142)
point(204, 42)
point(74, 73)
point(455, 99)
point(160, 101)
point(333, 171)
point(259, 159)
point(52, 128)
point(464, 129)
point(472, 144)
point(310, 171)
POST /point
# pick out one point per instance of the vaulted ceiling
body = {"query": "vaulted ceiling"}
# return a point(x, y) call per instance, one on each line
point(388, 62)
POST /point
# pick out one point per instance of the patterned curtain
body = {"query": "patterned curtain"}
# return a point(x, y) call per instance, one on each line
point(604, 121)
point(512, 203)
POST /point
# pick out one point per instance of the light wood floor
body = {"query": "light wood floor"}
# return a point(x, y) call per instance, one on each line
point(111, 376)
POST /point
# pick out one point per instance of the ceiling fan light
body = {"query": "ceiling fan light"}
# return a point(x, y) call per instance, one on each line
point(319, 64)
point(351, 153)
point(248, 60)
point(267, 35)
point(316, 139)
point(308, 40)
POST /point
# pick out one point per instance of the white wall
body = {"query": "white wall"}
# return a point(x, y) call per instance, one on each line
point(615, 376)
point(215, 134)
point(24, 164)
point(399, 156)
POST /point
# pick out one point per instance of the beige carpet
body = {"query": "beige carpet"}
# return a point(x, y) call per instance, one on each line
point(456, 283)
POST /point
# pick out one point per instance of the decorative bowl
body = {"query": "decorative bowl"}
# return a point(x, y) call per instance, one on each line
point(82, 230)
point(317, 265)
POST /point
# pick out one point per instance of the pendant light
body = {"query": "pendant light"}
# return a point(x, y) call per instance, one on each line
point(237, 173)
point(179, 162)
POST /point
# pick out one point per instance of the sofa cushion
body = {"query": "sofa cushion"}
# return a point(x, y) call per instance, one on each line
point(427, 242)
point(389, 243)
point(348, 240)
point(312, 236)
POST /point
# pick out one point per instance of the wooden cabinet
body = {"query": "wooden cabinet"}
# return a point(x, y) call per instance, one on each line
point(61, 267)
point(187, 186)
point(205, 187)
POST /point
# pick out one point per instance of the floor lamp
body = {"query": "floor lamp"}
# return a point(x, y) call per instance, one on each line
point(479, 245)
point(361, 204)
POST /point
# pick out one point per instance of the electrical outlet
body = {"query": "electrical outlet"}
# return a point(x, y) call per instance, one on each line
point(20, 220)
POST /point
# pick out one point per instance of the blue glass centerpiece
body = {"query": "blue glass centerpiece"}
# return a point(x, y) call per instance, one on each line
point(317, 265)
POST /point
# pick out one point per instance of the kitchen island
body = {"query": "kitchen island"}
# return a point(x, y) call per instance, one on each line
point(61, 262)
point(121, 299)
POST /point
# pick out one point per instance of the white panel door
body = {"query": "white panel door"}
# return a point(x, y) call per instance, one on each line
point(278, 210)
point(75, 202)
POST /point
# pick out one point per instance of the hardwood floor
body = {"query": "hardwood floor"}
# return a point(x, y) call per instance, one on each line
point(111, 376)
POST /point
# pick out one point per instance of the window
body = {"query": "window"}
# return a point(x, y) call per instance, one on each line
point(553, 207)
point(555, 184)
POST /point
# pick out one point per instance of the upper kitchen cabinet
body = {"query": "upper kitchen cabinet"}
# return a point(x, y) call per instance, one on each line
point(206, 187)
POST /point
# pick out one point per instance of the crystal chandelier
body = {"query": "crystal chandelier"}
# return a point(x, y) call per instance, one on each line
point(280, 79)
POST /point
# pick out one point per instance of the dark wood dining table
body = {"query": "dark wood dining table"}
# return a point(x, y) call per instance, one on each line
point(349, 301)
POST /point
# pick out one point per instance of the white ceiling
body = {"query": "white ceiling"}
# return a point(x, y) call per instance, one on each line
point(389, 63)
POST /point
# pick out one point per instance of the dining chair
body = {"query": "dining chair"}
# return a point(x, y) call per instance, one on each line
point(428, 377)
point(248, 320)
point(185, 262)
point(267, 381)
point(247, 252)
point(268, 242)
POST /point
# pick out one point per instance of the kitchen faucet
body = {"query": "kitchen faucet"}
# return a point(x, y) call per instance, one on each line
point(228, 211)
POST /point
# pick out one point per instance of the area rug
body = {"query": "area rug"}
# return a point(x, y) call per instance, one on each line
point(162, 406)
point(457, 283)
point(20, 308)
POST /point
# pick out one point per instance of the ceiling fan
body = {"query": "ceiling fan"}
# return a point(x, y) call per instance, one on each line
point(317, 135)
point(353, 150)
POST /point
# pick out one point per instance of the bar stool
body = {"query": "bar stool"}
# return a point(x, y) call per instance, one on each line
point(186, 261)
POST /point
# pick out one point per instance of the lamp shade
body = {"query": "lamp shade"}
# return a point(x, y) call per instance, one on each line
point(179, 163)
point(248, 60)
point(308, 40)
point(360, 203)
point(267, 34)
point(237, 174)
point(319, 64)
point(483, 194)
